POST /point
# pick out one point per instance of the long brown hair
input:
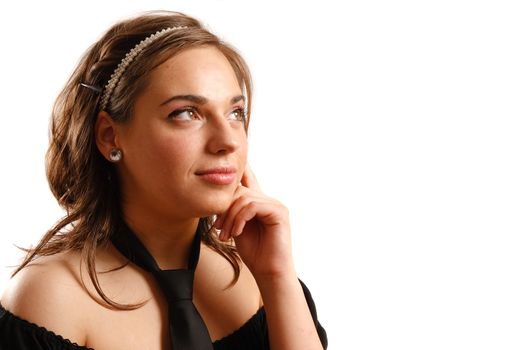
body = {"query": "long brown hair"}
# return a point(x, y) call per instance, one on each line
point(84, 183)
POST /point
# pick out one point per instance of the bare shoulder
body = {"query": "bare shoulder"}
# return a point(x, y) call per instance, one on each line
point(212, 285)
point(48, 292)
point(216, 272)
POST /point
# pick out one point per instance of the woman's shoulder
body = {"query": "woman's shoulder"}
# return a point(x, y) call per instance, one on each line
point(48, 292)
point(215, 274)
point(214, 295)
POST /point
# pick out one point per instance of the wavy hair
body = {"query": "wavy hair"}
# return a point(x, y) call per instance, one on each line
point(84, 183)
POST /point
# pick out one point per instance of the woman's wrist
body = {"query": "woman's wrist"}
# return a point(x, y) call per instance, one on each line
point(272, 282)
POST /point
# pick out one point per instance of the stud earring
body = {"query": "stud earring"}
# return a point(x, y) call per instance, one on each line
point(115, 155)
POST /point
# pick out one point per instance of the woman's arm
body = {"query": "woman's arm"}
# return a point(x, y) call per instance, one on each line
point(290, 323)
point(260, 227)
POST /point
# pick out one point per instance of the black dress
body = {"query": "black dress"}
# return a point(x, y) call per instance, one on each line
point(19, 334)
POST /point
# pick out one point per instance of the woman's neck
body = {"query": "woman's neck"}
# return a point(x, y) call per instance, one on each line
point(167, 240)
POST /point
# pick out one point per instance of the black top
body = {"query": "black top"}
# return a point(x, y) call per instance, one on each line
point(19, 334)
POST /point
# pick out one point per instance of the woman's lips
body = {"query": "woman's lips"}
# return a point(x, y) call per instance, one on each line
point(224, 175)
point(219, 178)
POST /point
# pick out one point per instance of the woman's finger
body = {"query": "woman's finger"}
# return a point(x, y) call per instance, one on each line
point(239, 192)
point(264, 212)
point(227, 218)
point(233, 212)
point(248, 179)
point(221, 217)
point(230, 217)
point(247, 213)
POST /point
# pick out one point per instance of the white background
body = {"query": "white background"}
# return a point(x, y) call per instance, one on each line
point(392, 130)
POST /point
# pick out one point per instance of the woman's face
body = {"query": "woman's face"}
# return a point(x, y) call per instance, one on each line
point(188, 121)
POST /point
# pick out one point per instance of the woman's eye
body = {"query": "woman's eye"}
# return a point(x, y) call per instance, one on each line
point(239, 115)
point(183, 114)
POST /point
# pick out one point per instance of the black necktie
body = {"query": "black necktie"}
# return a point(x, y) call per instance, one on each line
point(187, 329)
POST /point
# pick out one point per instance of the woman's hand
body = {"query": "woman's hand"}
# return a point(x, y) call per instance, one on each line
point(261, 229)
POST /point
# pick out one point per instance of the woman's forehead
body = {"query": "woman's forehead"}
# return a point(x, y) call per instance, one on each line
point(202, 70)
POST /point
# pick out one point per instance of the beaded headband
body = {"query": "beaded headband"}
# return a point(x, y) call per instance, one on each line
point(126, 61)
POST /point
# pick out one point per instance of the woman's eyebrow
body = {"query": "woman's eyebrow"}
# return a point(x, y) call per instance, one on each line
point(237, 99)
point(200, 100)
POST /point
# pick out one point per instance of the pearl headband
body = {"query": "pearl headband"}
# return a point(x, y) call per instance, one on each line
point(126, 61)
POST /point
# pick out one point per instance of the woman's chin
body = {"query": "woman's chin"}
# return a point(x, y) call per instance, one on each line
point(216, 206)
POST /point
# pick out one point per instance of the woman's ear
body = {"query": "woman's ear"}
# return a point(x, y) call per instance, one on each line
point(106, 135)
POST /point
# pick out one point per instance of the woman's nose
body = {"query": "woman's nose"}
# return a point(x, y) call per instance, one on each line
point(224, 136)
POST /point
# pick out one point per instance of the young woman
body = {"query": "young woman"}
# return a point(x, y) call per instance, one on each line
point(148, 157)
